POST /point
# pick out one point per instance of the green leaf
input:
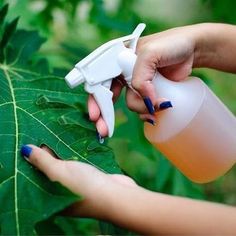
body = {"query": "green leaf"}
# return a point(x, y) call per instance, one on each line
point(163, 175)
point(8, 32)
point(111, 229)
point(183, 187)
point(38, 108)
point(3, 13)
point(76, 118)
point(76, 226)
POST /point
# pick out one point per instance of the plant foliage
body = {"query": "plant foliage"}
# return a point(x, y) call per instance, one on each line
point(44, 95)
point(37, 107)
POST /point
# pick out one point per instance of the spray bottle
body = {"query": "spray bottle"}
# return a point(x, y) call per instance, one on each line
point(199, 137)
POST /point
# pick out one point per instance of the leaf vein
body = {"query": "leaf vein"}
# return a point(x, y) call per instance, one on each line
point(59, 139)
point(35, 184)
point(16, 151)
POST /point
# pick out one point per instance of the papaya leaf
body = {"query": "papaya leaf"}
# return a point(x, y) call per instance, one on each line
point(37, 107)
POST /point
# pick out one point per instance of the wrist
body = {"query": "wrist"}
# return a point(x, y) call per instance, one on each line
point(213, 46)
point(204, 44)
point(98, 203)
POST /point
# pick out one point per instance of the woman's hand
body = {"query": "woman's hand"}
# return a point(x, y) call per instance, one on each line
point(118, 199)
point(171, 53)
point(80, 178)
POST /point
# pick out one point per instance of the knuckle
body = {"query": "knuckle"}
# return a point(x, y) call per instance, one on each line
point(139, 85)
point(135, 83)
point(146, 47)
point(153, 55)
point(148, 51)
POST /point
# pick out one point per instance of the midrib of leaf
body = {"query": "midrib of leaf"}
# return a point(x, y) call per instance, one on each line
point(19, 76)
point(16, 149)
point(6, 69)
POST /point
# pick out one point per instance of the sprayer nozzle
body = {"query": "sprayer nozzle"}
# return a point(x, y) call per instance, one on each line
point(74, 78)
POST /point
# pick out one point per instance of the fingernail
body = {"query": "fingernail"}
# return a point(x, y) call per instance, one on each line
point(152, 122)
point(149, 105)
point(26, 151)
point(100, 138)
point(165, 105)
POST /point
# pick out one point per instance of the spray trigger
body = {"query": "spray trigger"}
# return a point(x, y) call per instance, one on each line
point(100, 67)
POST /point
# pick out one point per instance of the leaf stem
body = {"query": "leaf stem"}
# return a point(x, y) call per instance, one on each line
point(16, 150)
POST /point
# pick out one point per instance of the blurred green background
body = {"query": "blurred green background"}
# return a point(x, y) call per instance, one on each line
point(76, 27)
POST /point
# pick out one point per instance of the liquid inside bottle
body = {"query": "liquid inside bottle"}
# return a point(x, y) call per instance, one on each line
point(205, 147)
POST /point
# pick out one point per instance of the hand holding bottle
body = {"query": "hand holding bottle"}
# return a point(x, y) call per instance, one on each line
point(173, 53)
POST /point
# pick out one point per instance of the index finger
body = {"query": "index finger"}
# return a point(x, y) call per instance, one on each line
point(143, 74)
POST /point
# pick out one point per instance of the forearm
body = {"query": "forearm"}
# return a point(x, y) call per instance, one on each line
point(117, 199)
point(215, 46)
point(152, 213)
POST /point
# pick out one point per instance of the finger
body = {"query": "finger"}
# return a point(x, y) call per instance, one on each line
point(135, 103)
point(144, 40)
point(80, 178)
point(102, 128)
point(66, 172)
point(144, 71)
point(148, 117)
point(43, 160)
point(49, 150)
point(116, 87)
point(93, 109)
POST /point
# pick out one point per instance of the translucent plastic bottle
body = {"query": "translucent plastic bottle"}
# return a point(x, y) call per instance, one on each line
point(198, 135)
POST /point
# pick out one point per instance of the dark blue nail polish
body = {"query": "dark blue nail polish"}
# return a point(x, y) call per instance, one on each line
point(100, 138)
point(165, 105)
point(152, 122)
point(149, 105)
point(26, 151)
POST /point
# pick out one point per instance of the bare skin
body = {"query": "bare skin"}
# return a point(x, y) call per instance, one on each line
point(173, 53)
point(126, 204)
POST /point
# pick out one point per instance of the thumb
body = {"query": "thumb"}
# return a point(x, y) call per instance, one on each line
point(68, 173)
point(43, 160)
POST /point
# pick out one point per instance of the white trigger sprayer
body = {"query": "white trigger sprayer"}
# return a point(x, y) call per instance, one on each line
point(198, 135)
point(98, 69)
